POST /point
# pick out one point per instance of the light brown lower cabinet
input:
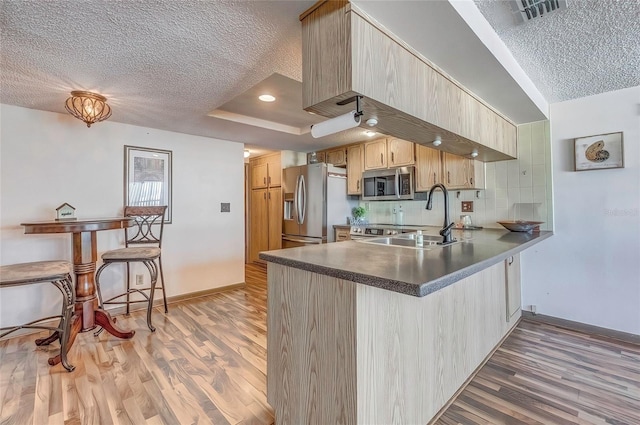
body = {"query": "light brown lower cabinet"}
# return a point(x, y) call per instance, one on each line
point(265, 221)
point(513, 285)
point(342, 235)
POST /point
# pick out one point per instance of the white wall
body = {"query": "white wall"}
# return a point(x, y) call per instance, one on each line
point(589, 271)
point(47, 159)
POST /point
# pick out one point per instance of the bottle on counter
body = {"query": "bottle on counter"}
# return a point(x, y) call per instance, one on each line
point(419, 239)
point(400, 216)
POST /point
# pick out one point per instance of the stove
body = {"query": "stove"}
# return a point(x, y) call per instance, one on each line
point(378, 230)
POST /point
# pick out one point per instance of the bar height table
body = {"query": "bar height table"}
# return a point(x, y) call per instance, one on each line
point(85, 256)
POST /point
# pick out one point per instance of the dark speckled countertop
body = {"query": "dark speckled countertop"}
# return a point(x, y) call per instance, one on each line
point(410, 271)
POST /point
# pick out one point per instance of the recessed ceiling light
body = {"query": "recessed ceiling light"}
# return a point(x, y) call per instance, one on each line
point(266, 98)
point(370, 133)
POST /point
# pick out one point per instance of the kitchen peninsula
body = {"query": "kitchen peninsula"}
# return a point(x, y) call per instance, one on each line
point(360, 332)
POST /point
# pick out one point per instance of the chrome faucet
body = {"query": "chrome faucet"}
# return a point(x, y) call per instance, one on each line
point(445, 232)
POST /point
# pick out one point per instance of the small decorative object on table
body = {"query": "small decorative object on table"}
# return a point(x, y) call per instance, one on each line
point(358, 215)
point(65, 212)
point(521, 225)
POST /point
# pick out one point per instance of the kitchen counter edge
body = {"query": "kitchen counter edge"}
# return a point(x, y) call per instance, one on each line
point(416, 290)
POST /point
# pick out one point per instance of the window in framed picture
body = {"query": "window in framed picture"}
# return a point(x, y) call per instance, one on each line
point(147, 174)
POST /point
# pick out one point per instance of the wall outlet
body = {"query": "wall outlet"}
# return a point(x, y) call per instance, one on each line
point(225, 207)
point(467, 206)
point(139, 279)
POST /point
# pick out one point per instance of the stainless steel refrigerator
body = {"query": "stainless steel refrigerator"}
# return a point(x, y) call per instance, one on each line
point(315, 198)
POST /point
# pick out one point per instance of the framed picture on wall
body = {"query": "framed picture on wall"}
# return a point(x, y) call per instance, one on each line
point(147, 178)
point(599, 152)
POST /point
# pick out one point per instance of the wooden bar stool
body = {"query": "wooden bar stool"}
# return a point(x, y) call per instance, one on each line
point(59, 274)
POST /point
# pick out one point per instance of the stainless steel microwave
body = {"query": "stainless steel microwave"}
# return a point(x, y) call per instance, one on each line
point(388, 185)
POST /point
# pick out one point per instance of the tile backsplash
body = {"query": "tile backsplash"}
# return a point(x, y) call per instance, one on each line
point(516, 189)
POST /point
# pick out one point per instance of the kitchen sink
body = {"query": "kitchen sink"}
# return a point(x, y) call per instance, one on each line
point(407, 240)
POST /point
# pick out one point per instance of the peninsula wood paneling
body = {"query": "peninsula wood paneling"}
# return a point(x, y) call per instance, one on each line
point(415, 353)
point(352, 353)
point(311, 361)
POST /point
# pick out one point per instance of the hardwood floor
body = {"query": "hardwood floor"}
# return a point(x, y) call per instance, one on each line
point(206, 364)
point(543, 374)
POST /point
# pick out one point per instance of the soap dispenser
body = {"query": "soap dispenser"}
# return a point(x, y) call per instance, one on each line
point(419, 239)
point(400, 216)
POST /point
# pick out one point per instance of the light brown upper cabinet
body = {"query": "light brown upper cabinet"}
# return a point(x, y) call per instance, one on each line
point(428, 168)
point(355, 166)
point(337, 157)
point(388, 153)
point(266, 171)
point(400, 153)
point(375, 154)
point(345, 54)
point(458, 172)
point(455, 172)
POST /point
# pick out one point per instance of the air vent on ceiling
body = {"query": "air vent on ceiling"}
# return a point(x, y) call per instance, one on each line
point(530, 9)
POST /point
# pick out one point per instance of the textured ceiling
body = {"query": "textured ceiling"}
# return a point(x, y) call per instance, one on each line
point(169, 64)
point(591, 47)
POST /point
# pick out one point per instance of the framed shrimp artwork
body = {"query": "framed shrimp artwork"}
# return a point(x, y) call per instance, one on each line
point(599, 152)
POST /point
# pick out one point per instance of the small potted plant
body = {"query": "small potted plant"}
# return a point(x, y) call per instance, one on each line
point(358, 215)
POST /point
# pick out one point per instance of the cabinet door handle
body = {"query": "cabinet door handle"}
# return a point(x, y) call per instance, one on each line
point(269, 195)
point(264, 180)
point(358, 185)
point(264, 195)
point(510, 261)
point(434, 178)
point(471, 180)
point(381, 159)
point(449, 177)
point(269, 179)
point(393, 161)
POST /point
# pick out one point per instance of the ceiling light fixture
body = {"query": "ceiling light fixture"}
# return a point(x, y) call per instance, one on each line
point(437, 142)
point(474, 153)
point(339, 123)
point(247, 153)
point(88, 107)
point(371, 122)
point(266, 98)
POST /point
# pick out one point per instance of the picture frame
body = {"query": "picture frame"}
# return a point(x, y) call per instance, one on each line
point(599, 152)
point(147, 178)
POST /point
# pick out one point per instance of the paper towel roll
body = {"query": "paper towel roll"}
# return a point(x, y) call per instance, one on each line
point(335, 125)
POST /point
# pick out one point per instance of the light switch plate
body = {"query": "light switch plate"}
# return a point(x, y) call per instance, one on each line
point(225, 207)
point(467, 206)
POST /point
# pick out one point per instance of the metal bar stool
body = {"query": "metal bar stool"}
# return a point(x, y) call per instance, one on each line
point(147, 232)
point(58, 273)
